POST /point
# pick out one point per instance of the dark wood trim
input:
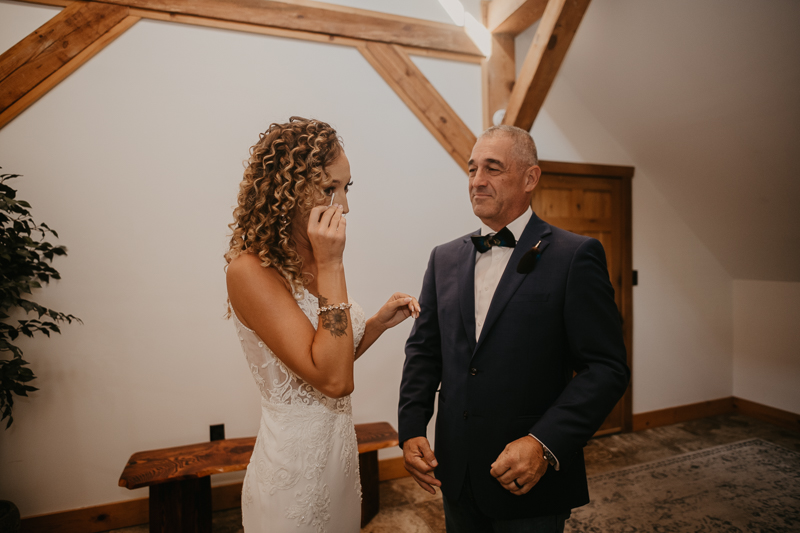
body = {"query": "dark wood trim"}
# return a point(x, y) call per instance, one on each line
point(226, 496)
point(626, 285)
point(586, 169)
point(129, 513)
point(773, 415)
point(115, 515)
point(90, 519)
point(682, 413)
point(731, 404)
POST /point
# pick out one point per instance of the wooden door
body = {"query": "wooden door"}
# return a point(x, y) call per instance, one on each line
point(595, 200)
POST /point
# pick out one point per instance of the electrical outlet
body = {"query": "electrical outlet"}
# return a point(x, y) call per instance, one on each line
point(217, 432)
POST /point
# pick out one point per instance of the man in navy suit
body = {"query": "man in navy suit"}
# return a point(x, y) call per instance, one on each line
point(519, 328)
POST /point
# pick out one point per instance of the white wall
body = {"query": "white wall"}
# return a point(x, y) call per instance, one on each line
point(135, 160)
point(682, 307)
point(666, 79)
point(766, 343)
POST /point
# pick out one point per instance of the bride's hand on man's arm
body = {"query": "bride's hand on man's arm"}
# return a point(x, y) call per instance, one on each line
point(399, 307)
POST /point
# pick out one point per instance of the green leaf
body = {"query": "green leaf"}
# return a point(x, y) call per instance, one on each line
point(25, 266)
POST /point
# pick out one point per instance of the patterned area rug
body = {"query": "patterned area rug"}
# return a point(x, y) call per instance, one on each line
point(752, 485)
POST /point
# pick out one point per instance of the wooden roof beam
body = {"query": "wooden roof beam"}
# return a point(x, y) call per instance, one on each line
point(512, 16)
point(550, 44)
point(41, 60)
point(310, 17)
point(498, 74)
point(405, 78)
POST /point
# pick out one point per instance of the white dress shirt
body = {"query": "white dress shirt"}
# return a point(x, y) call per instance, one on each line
point(489, 268)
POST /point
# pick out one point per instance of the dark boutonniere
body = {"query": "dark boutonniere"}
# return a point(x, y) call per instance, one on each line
point(528, 261)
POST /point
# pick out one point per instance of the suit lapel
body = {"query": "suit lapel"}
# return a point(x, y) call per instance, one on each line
point(535, 231)
point(466, 288)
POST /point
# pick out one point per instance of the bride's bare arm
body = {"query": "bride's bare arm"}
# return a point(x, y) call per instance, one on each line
point(260, 298)
point(399, 307)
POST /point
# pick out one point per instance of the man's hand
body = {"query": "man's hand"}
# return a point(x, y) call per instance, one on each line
point(420, 462)
point(522, 460)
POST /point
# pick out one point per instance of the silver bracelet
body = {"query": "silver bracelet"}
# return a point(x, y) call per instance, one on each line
point(341, 306)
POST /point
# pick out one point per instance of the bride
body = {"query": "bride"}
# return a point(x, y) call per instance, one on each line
point(299, 330)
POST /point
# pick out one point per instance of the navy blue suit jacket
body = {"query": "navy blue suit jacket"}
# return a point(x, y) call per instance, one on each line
point(518, 377)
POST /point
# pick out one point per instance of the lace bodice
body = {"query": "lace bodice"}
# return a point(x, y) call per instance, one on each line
point(278, 384)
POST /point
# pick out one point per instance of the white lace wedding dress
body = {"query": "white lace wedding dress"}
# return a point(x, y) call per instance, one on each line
point(303, 475)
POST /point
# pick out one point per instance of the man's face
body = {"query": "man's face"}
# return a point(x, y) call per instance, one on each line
point(499, 186)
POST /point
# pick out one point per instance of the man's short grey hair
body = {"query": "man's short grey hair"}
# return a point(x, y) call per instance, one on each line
point(524, 151)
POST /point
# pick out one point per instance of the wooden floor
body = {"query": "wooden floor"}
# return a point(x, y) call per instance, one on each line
point(405, 508)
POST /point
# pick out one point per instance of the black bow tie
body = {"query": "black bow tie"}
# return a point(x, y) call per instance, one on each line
point(504, 237)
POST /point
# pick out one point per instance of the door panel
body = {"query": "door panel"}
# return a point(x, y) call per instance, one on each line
point(594, 206)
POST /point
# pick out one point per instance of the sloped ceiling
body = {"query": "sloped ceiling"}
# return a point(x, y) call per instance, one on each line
point(705, 98)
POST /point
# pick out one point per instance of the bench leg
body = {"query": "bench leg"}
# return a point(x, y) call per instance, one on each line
point(181, 506)
point(370, 497)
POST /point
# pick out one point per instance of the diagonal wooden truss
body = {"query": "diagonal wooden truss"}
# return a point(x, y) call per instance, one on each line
point(51, 53)
point(522, 98)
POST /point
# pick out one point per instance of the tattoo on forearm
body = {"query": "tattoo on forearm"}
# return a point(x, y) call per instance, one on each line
point(334, 320)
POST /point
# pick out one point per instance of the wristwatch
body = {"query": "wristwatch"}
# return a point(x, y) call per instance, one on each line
point(548, 455)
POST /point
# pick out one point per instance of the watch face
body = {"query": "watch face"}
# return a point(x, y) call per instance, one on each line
point(548, 455)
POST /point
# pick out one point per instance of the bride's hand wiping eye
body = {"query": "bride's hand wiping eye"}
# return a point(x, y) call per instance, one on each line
point(327, 232)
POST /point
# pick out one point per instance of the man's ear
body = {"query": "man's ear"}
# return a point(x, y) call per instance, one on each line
point(532, 176)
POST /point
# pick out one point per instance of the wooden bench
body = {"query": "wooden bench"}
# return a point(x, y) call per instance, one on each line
point(180, 478)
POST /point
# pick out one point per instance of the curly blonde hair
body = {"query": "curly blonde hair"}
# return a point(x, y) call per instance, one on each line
point(284, 179)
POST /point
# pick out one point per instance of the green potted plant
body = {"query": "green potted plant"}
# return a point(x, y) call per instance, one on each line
point(25, 264)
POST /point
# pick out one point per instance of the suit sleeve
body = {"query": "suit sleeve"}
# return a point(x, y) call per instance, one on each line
point(596, 353)
point(422, 371)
